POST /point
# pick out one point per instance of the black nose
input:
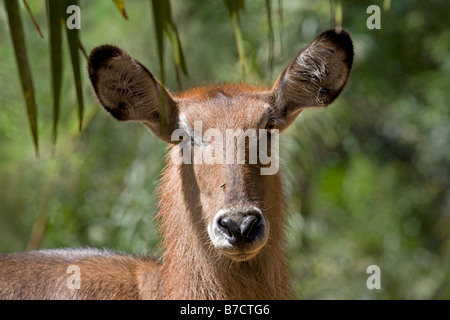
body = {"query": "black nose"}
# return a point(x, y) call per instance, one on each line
point(241, 228)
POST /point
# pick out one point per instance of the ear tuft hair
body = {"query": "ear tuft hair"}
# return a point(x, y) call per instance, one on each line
point(129, 92)
point(316, 76)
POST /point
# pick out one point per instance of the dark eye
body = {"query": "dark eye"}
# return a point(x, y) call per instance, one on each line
point(270, 126)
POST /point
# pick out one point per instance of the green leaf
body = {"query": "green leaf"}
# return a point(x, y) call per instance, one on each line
point(177, 50)
point(233, 7)
point(74, 46)
point(55, 18)
point(158, 22)
point(163, 22)
point(17, 35)
point(32, 18)
point(121, 7)
point(280, 21)
point(83, 50)
point(338, 16)
point(270, 34)
point(385, 16)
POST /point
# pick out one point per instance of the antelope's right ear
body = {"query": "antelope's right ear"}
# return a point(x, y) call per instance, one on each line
point(314, 78)
point(129, 92)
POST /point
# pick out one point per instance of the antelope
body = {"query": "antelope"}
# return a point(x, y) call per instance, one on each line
point(221, 224)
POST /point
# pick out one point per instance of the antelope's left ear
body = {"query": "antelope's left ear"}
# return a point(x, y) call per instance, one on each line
point(315, 77)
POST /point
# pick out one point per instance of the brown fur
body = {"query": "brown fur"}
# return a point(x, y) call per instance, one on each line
point(190, 195)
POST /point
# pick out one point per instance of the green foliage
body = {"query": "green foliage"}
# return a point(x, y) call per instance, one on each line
point(233, 7)
point(74, 45)
point(120, 5)
point(17, 35)
point(163, 22)
point(55, 17)
point(367, 179)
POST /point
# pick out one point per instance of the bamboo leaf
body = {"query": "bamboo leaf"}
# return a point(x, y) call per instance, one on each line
point(164, 23)
point(270, 34)
point(177, 50)
point(17, 35)
point(55, 17)
point(74, 46)
point(159, 28)
point(83, 50)
point(32, 18)
point(280, 22)
point(121, 7)
point(338, 17)
point(233, 7)
point(385, 16)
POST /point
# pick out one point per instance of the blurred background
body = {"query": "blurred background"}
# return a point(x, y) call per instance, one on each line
point(367, 179)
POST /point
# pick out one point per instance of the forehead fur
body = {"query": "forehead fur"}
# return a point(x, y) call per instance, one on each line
point(224, 106)
point(212, 91)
